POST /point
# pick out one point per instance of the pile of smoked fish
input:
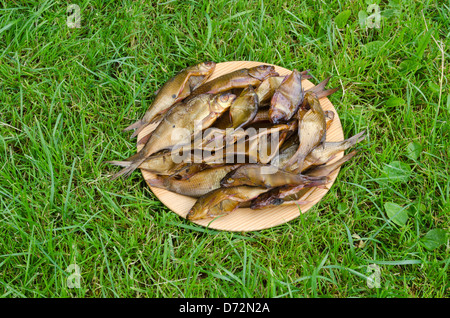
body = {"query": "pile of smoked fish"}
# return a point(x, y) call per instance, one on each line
point(224, 167)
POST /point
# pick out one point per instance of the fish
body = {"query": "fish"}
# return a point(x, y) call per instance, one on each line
point(237, 79)
point(169, 163)
point(290, 146)
point(295, 194)
point(179, 125)
point(222, 201)
point(267, 87)
point(284, 195)
point(196, 185)
point(311, 130)
point(264, 176)
point(327, 151)
point(289, 96)
point(173, 91)
point(325, 170)
point(161, 163)
point(244, 108)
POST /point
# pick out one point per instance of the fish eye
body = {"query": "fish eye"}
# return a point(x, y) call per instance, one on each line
point(224, 97)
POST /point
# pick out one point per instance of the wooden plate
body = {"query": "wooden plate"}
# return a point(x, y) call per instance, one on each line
point(245, 219)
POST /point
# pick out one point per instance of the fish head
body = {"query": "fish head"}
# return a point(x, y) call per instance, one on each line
point(310, 101)
point(262, 72)
point(235, 178)
point(215, 203)
point(206, 68)
point(277, 116)
point(221, 102)
point(197, 212)
point(265, 200)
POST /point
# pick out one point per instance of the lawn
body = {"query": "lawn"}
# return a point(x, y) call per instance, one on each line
point(66, 94)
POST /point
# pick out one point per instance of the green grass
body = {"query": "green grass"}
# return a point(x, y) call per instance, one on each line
point(67, 93)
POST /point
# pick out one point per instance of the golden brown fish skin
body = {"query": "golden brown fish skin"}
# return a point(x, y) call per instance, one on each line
point(197, 185)
point(196, 114)
point(174, 90)
point(204, 109)
point(287, 98)
point(264, 176)
point(185, 170)
point(238, 79)
point(222, 201)
point(244, 108)
point(311, 130)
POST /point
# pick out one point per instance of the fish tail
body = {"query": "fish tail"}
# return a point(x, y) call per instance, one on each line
point(305, 74)
point(119, 163)
point(134, 125)
point(298, 159)
point(139, 128)
point(133, 163)
point(151, 126)
point(328, 169)
point(354, 139)
point(320, 90)
point(316, 181)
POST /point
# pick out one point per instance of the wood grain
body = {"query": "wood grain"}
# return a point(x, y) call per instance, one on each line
point(245, 219)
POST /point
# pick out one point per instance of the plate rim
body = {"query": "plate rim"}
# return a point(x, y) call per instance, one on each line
point(210, 223)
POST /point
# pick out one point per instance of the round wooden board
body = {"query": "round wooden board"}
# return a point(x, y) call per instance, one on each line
point(246, 219)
